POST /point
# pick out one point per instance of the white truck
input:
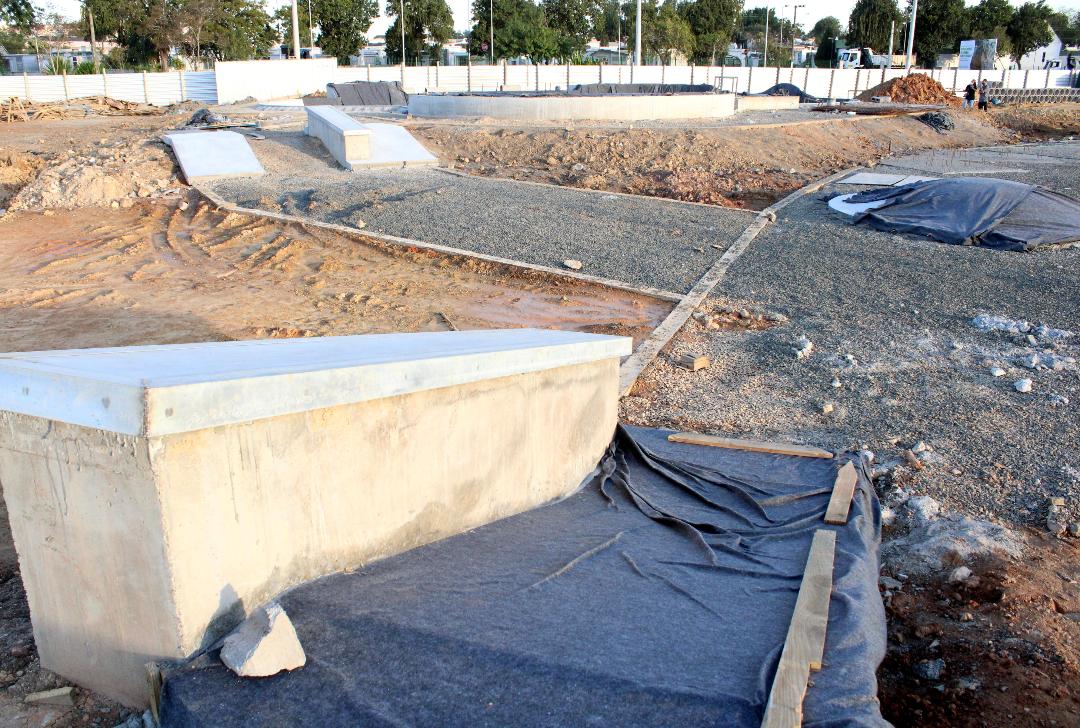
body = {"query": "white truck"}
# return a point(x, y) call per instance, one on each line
point(866, 58)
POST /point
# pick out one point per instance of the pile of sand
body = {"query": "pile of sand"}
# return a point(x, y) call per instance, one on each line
point(15, 171)
point(110, 175)
point(917, 88)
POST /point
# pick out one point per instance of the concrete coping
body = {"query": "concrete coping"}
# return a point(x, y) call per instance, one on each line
point(160, 390)
point(337, 118)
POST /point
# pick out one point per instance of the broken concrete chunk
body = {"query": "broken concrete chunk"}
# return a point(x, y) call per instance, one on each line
point(691, 362)
point(1022, 385)
point(997, 372)
point(572, 264)
point(264, 644)
point(803, 347)
point(61, 697)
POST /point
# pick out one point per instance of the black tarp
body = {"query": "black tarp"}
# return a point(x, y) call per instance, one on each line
point(993, 213)
point(657, 595)
point(362, 93)
point(790, 89)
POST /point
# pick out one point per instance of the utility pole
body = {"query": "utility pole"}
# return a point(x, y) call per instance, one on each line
point(491, 29)
point(765, 56)
point(911, 36)
point(618, 43)
point(93, 38)
point(637, 36)
point(892, 34)
point(401, 22)
point(295, 31)
point(310, 25)
point(783, 14)
point(794, 20)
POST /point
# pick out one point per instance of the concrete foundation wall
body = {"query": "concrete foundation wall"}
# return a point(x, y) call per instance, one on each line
point(614, 107)
point(136, 548)
point(345, 139)
point(766, 103)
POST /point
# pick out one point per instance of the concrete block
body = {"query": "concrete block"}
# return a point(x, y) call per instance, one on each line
point(357, 146)
point(624, 107)
point(264, 644)
point(154, 491)
point(58, 697)
point(209, 155)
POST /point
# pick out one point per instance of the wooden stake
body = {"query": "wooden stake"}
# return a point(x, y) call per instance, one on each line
point(842, 492)
point(776, 448)
point(804, 648)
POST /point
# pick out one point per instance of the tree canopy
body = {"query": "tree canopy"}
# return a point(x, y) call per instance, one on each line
point(871, 22)
point(1029, 28)
point(827, 27)
point(939, 28)
point(428, 24)
point(712, 23)
point(521, 29)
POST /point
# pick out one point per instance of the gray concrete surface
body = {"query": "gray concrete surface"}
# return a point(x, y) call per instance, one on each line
point(644, 242)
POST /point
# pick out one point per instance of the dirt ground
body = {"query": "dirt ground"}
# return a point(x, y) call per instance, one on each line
point(144, 260)
point(749, 167)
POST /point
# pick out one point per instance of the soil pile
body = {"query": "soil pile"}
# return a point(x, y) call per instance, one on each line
point(108, 175)
point(917, 88)
point(15, 171)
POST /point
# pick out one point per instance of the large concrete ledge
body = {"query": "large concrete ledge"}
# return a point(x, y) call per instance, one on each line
point(766, 103)
point(157, 493)
point(613, 107)
point(209, 155)
point(346, 139)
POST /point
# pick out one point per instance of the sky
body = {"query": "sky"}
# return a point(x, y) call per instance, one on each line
point(812, 11)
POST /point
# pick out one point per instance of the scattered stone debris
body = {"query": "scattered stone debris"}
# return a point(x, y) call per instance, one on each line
point(264, 644)
point(204, 118)
point(930, 669)
point(572, 264)
point(1022, 385)
point(803, 347)
point(997, 372)
point(1056, 522)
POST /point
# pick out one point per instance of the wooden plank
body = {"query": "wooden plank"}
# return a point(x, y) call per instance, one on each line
point(777, 448)
point(804, 648)
point(842, 491)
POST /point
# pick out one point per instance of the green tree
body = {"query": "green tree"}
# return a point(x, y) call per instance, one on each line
point(1067, 27)
point(242, 30)
point(988, 19)
point(664, 33)
point(1029, 28)
point(342, 25)
point(827, 27)
point(608, 25)
point(939, 28)
point(521, 29)
point(870, 23)
point(574, 23)
point(17, 13)
point(713, 25)
point(428, 24)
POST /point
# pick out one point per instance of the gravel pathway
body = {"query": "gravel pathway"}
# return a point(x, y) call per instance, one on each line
point(644, 242)
point(901, 308)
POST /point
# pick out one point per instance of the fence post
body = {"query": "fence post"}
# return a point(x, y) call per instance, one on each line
point(1047, 85)
point(601, 76)
point(183, 86)
point(66, 97)
point(955, 73)
point(26, 85)
point(568, 76)
point(750, 81)
point(1026, 78)
point(806, 80)
point(777, 75)
point(691, 74)
point(1004, 76)
point(104, 83)
point(631, 73)
point(146, 87)
point(832, 75)
point(468, 74)
point(663, 73)
point(437, 86)
point(858, 75)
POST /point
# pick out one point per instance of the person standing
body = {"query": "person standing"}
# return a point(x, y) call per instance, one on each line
point(984, 95)
point(969, 94)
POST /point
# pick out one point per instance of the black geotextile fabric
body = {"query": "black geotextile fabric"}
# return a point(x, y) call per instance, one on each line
point(790, 89)
point(992, 213)
point(365, 93)
point(602, 89)
point(657, 595)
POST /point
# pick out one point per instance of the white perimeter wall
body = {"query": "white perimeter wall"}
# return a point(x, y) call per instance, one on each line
point(267, 80)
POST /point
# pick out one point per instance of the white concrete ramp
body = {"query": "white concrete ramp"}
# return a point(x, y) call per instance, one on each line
point(210, 155)
point(393, 146)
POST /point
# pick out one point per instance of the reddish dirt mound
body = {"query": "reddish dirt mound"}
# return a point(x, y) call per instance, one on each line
point(914, 89)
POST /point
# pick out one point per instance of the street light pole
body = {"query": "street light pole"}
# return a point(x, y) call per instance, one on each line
point(310, 25)
point(794, 20)
point(783, 14)
point(295, 31)
point(401, 22)
point(637, 36)
point(765, 55)
point(618, 33)
point(491, 30)
point(911, 36)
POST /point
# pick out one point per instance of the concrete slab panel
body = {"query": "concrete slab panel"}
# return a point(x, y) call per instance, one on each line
point(158, 390)
point(913, 178)
point(841, 205)
point(210, 155)
point(394, 146)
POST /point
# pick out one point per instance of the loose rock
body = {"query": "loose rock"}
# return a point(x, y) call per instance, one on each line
point(264, 644)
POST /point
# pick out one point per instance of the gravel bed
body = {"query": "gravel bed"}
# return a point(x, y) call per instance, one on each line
point(920, 371)
point(644, 242)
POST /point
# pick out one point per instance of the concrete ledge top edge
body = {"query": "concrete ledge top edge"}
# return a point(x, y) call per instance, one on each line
point(124, 390)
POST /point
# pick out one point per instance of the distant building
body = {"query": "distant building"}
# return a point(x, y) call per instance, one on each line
point(1052, 52)
point(611, 53)
point(72, 51)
